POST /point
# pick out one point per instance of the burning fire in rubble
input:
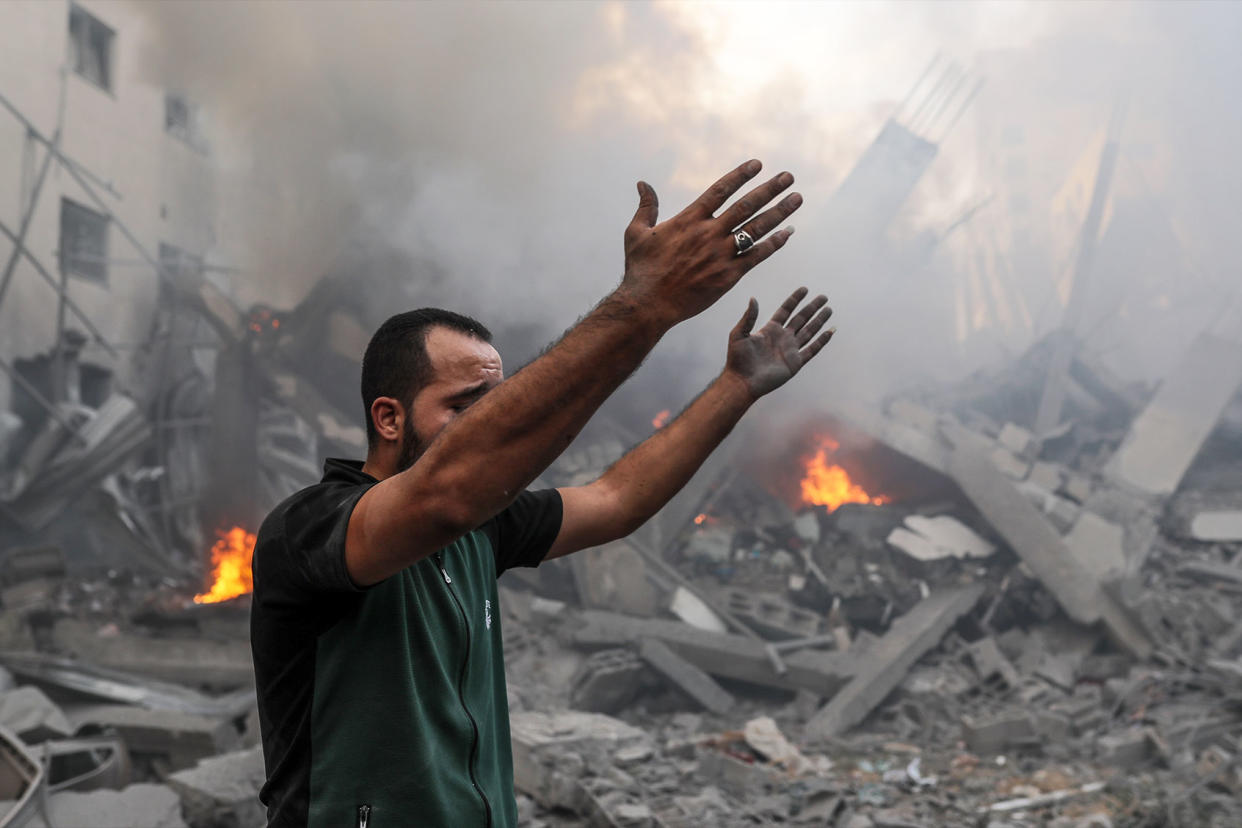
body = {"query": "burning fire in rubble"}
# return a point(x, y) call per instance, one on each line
point(230, 562)
point(826, 484)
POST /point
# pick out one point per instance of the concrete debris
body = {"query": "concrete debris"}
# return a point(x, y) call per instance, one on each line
point(996, 617)
point(223, 791)
point(690, 608)
point(179, 739)
point(883, 668)
point(143, 805)
point(1098, 544)
point(942, 536)
point(696, 683)
point(1217, 525)
point(766, 739)
point(1165, 438)
point(28, 712)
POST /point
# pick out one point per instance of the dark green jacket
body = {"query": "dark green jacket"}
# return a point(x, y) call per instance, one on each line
point(385, 706)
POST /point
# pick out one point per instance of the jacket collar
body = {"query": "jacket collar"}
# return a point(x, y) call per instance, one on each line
point(338, 470)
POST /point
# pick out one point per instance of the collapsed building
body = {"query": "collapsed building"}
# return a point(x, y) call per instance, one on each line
point(1007, 600)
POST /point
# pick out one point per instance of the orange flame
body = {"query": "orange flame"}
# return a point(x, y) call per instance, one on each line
point(698, 519)
point(829, 484)
point(230, 561)
point(660, 420)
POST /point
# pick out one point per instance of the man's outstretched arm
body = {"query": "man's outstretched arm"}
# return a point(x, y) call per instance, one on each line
point(485, 457)
point(642, 481)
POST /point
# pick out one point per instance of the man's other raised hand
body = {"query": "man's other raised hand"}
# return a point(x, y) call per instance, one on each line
point(680, 267)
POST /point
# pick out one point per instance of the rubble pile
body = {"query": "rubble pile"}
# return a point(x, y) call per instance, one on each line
point(986, 629)
point(922, 616)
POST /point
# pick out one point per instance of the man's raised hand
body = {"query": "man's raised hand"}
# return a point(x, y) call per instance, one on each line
point(680, 267)
point(769, 357)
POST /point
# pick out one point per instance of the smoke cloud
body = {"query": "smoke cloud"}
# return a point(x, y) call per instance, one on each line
point(496, 147)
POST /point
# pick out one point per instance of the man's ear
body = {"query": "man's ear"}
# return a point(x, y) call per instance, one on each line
point(388, 415)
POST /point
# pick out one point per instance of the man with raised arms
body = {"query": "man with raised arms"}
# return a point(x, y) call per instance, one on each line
point(375, 626)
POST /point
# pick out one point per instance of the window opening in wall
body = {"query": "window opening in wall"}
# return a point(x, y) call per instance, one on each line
point(181, 267)
point(90, 45)
point(183, 120)
point(83, 241)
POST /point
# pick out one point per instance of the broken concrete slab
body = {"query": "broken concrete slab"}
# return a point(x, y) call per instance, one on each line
point(1164, 439)
point(185, 660)
point(1220, 525)
point(888, 661)
point(1040, 547)
point(137, 806)
point(696, 683)
point(941, 536)
point(182, 739)
point(116, 685)
point(28, 712)
point(223, 791)
point(723, 655)
point(1098, 544)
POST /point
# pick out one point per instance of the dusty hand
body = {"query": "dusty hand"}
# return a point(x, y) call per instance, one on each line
point(769, 357)
point(678, 268)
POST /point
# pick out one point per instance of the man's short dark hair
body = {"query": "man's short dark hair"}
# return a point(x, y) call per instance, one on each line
point(396, 362)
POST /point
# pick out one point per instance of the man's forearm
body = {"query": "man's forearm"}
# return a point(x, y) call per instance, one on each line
point(649, 475)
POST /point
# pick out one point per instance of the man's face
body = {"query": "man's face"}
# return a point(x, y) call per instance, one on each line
point(463, 369)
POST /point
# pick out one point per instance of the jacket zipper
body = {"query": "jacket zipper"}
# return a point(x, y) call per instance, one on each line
point(364, 816)
point(461, 693)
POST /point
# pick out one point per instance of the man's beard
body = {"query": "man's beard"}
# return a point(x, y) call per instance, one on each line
point(411, 446)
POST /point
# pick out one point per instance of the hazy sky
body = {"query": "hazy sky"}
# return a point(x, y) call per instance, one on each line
point(498, 144)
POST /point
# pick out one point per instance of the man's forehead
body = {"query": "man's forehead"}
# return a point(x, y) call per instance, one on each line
point(452, 352)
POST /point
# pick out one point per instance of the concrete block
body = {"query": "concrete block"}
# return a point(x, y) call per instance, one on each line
point(770, 615)
point(744, 780)
point(1125, 750)
point(990, 663)
point(607, 681)
point(694, 682)
point(1000, 733)
point(223, 791)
